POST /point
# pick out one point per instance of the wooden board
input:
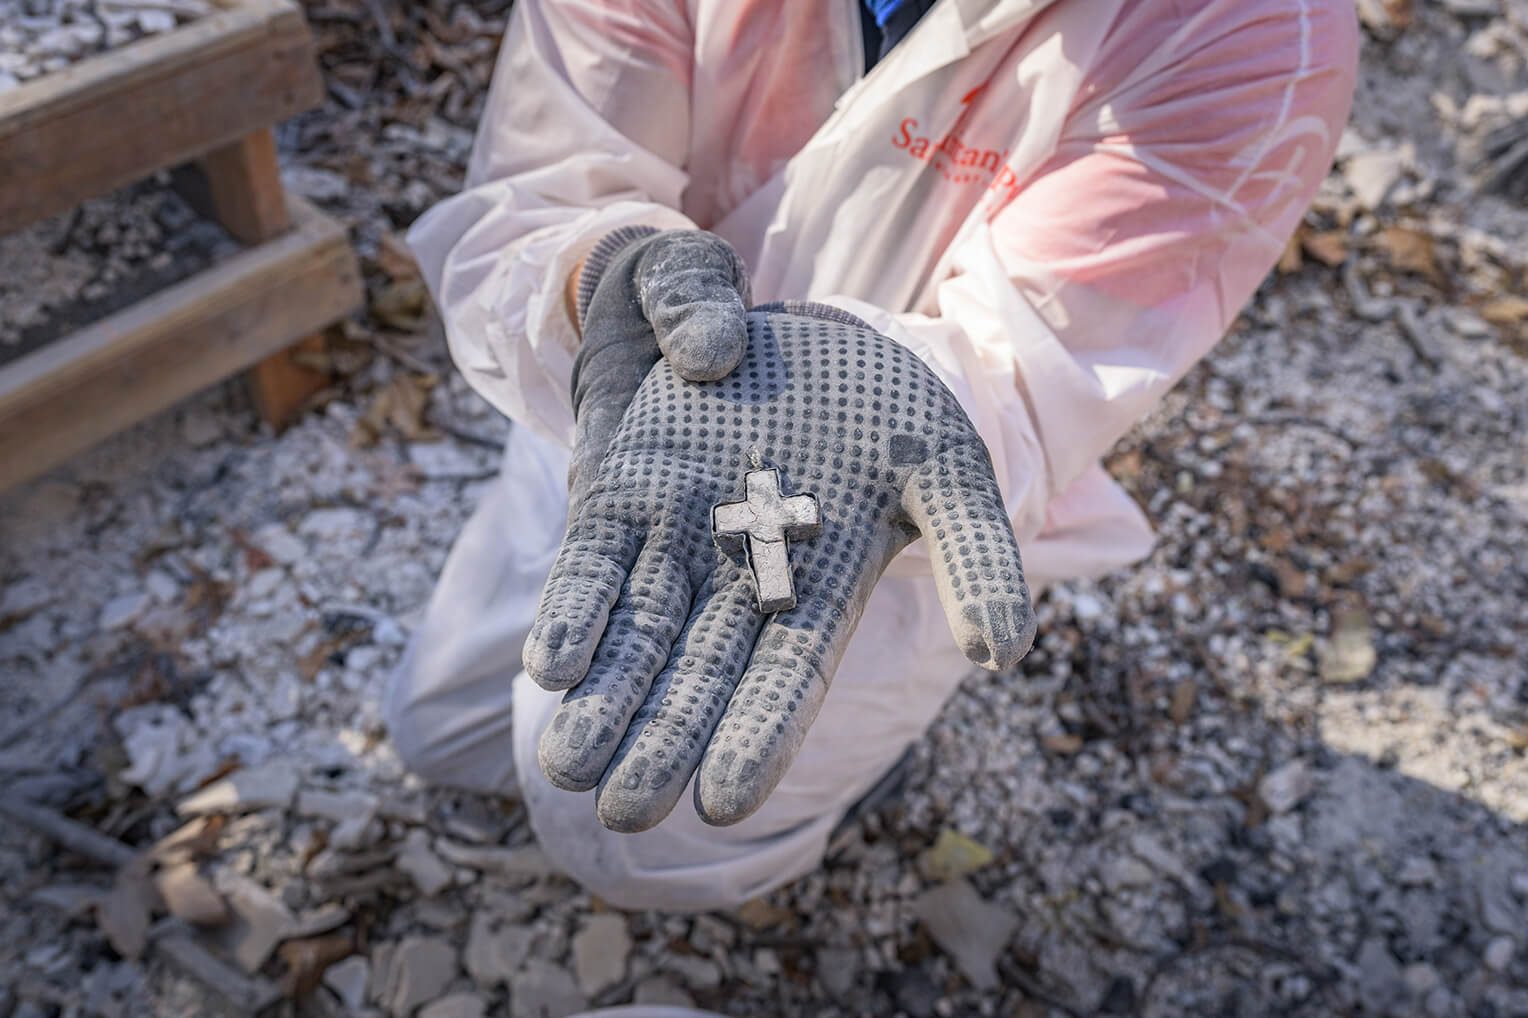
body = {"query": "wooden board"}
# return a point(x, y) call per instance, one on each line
point(239, 185)
point(70, 394)
point(117, 117)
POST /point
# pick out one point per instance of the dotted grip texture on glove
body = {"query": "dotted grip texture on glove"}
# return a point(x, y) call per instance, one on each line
point(652, 627)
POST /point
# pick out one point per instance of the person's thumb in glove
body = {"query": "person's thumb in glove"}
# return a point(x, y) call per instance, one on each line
point(642, 294)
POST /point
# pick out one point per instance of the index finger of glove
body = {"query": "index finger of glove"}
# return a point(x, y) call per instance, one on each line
point(693, 289)
point(954, 500)
point(577, 745)
point(668, 733)
point(591, 568)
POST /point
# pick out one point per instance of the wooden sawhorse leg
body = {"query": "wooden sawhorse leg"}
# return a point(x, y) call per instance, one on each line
point(240, 187)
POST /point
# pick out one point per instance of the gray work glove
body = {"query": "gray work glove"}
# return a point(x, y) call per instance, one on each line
point(655, 630)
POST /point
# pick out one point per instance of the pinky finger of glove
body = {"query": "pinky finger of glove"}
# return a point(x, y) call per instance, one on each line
point(586, 579)
point(953, 499)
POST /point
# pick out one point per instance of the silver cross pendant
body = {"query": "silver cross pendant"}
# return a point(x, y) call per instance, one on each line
point(763, 524)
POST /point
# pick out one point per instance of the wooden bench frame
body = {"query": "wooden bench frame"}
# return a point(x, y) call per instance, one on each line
point(206, 93)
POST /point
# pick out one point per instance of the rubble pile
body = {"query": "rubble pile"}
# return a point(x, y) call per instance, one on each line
point(1280, 768)
point(38, 37)
point(82, 265)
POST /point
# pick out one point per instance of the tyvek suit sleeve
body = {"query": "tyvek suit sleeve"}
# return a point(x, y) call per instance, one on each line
point(1069, 313)
point(585, 130)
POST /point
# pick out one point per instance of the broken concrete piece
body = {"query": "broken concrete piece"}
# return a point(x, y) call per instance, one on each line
point(272, 784)
point(971, 931)
point(600, 951)
point(121, 612)
point(189, 896)
point(495, 949)
point(838, 969)
point(661, 990)
point(701, 973)
point(348, 979)
point(457, 1005)
point(1499, 952)
point(542, 990)
point(351, 813)
point(523, 862)
point(419, 971)
point(423, 866)
point(1286, 787)
point(259, 921)
point(1374, 174)
point(473, 821)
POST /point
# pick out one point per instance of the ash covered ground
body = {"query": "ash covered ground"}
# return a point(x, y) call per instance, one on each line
point(1277, 769)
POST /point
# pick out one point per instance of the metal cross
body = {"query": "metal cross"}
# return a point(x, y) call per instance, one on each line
point(764, 524)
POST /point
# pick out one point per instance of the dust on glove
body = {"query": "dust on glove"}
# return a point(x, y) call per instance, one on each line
point(653, 628)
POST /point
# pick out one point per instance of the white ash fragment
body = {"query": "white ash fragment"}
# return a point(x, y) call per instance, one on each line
point(970, 930)
point(1375, 174)
point(201, 426)
point(419, 970)
point(272, 784)
point(451, 461)
point(325, 918)
point(661, 990)
point(161, 586)
point(314, 183)
point(600, 951)
point(348, 979)
point(456, 1005)
point(1418, 871)
point(189, 896)
point(701, 973)
point(1121, 872)
point(496, 947)
point(522, 862)
point(350, 812)
point(122, 611)
point(260, 921)
point(1380, 982)
point(1285, 788)
point(280, 544)
point(540, 988)
point(422, 865)
point(165, 750)
point(331, 864)
point(1499, 953)
point(340, 524)
point(471, 818)
point(838, 970)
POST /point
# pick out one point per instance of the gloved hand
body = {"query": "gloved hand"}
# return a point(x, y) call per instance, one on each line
point(654, 629)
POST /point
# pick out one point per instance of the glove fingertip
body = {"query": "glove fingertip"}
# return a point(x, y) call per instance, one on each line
point(708, 344)
point(730, 786)
point(625, 815)
point(550, 662)
point(997, 633)
point(567, 751)
point(638, 792)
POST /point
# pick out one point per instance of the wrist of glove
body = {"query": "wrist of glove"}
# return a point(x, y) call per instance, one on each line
point(649, 621)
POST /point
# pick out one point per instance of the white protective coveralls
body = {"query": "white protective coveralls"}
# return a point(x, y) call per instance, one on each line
point(1060, 205)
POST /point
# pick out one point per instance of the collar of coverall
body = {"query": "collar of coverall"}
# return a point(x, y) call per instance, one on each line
point(945, 34)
